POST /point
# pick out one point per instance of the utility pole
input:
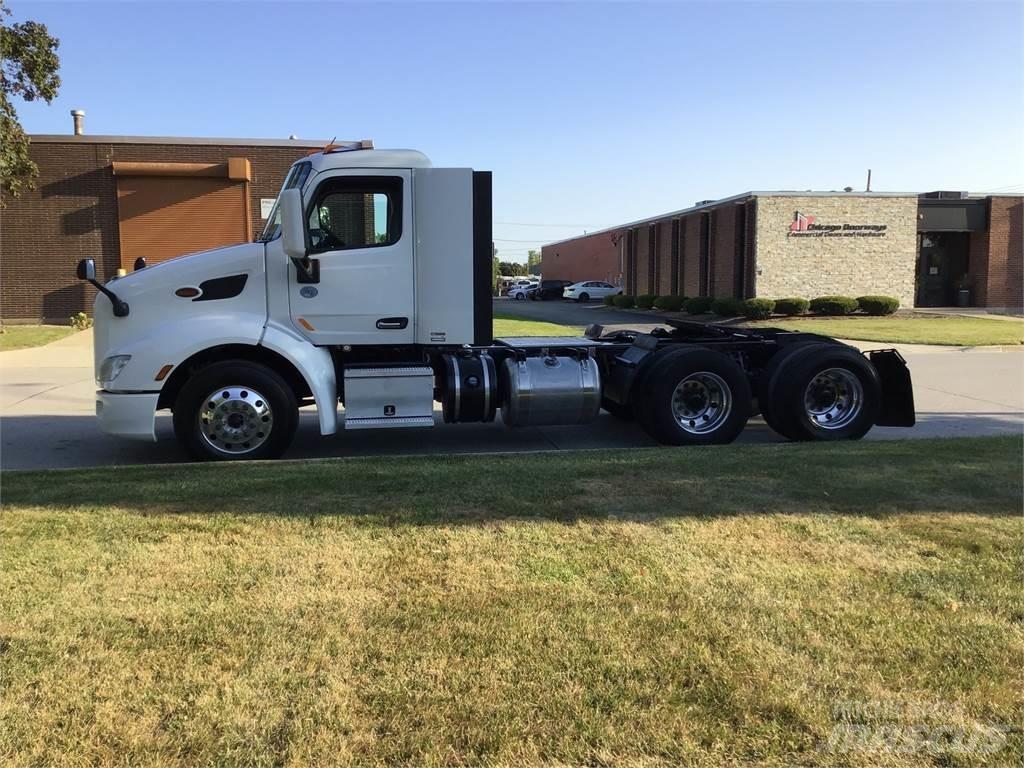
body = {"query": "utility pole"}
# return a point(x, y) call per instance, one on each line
point(869, 181)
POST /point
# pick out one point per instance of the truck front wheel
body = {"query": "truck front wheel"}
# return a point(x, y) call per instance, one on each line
point(235, 410)
point(694, 397)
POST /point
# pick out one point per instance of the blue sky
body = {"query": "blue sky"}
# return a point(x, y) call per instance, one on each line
point(589, 114)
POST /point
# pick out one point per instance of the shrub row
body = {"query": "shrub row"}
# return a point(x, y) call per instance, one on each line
point(759, 309)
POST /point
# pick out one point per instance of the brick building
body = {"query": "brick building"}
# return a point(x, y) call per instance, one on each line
point(115, 198)
point(919, 248)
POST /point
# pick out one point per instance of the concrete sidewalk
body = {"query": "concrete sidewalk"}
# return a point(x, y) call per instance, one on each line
point(47, 409)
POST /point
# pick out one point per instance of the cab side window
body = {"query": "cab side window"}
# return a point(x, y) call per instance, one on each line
point(356, 212)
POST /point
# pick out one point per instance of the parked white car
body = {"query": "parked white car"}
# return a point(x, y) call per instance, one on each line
point(591, 289)
point(520, 292)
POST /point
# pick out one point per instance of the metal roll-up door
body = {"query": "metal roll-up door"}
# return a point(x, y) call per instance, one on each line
point(162, 217)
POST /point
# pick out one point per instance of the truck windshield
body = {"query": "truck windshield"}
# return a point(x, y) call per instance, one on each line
point(296, 178)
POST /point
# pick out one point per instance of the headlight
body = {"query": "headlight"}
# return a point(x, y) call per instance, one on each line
point(110, 368)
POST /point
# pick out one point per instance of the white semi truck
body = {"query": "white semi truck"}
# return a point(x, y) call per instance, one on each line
point(370, 289)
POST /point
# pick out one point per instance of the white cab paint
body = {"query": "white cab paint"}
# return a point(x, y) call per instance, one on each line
point(444, 255)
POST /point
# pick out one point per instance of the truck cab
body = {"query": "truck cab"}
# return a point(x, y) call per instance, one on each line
point(394, 253)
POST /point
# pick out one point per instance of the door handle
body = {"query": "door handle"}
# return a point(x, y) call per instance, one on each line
point(392, 323)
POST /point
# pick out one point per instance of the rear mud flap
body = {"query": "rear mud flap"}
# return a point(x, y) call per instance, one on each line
point(897, 409)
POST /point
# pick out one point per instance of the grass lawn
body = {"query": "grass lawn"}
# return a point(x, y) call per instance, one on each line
point(22, 336)
point(509, 325)
point(955, 331)
point(712, 606)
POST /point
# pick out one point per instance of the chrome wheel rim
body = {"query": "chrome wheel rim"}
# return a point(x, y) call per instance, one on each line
point(235, 420)
point(701, 403)
point(833, 398)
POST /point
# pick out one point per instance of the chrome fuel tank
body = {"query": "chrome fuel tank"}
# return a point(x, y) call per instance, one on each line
point(550, 389)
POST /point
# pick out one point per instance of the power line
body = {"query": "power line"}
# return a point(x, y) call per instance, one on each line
point(567, 226)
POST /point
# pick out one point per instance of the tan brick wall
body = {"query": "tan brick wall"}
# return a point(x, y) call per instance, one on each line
point(846, 264)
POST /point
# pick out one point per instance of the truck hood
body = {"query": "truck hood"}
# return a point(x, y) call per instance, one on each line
point(189, 270)
point(225, 282)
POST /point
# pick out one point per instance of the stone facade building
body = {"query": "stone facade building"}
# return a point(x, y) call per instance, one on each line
point(922, 249)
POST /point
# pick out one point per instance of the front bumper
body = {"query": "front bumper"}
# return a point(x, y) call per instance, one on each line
point(131, 415)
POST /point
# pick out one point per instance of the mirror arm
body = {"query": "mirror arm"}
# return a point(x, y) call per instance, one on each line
point(120, 307)
point(308, 269)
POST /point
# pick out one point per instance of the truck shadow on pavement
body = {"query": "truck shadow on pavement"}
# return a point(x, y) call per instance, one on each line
point(61, 442)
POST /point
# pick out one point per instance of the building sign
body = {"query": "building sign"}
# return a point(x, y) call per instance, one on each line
point(807, 226)
point(266, 205)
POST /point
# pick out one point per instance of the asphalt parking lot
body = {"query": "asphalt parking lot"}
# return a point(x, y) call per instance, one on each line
point(47, 407)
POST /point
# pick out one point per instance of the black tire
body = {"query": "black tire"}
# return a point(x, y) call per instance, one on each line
point(583, 297)
point(828, 392)
point(769, 380)
point(618, 410)
point(717, 379)
point(258, 394)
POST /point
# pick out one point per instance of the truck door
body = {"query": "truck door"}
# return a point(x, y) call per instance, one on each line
point(362, 287)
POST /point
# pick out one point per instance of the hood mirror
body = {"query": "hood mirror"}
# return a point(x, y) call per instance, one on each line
point(86, 270)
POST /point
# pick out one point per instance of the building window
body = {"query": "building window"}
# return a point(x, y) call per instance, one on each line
point(704, 276)
point(674, 276)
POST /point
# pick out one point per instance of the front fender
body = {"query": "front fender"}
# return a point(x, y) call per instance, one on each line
point(173, 342)
point(315, 365)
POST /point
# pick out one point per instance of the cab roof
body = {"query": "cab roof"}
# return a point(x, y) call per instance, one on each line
point(368, 158)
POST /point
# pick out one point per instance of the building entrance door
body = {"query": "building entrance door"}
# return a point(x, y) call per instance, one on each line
point(941, 263)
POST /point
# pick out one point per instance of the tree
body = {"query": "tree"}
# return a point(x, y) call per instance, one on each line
point(532, 257)
point(512, 269)
point(29, 71)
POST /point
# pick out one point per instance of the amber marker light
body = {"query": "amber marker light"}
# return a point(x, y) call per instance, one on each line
point(162, 373)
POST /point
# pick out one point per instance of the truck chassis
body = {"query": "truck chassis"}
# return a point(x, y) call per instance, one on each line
point(690, 384)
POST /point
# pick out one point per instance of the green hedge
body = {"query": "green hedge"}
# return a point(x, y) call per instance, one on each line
point(669, 303)
point(833, 305)
point(645, 301)
point(758, 309)
point(791, 307)
point(727, 307)
point(625, 302)
point(699, 305)
point(609, 301)
point(878, 305)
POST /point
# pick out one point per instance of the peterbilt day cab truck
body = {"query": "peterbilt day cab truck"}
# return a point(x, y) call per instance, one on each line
point(370, 289)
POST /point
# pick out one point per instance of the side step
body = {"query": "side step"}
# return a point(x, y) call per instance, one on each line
point(383, 398)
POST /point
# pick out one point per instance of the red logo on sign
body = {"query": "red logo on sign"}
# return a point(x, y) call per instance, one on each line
point(801, 223)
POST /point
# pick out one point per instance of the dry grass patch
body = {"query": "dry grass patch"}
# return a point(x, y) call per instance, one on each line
point(718, 609)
